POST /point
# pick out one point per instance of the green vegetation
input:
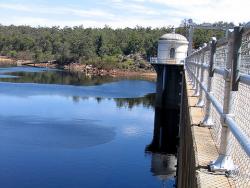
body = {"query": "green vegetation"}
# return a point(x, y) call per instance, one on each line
point(104, 48)
point(78, 43)
point(201, 36)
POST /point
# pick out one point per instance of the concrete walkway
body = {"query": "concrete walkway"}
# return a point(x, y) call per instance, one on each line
point(204, 147)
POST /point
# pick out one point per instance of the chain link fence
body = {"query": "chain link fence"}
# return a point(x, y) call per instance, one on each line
point(245, 53)
point(222, 101)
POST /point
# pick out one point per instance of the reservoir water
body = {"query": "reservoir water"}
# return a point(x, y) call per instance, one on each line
point(67, 130)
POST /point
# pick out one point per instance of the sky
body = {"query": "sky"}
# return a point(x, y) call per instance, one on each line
point(121, 13)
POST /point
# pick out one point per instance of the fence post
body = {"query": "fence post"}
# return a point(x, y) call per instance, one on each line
point(207, 121)
point(188, 68)
point(197, 74)
point(194, 71)
point(201, 102)
point(191, 68)
point(224, 162)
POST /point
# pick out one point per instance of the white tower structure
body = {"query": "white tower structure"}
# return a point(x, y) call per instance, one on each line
point(172, 49)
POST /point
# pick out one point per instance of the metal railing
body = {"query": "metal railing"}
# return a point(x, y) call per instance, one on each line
point(156, 60)
point(219, 73)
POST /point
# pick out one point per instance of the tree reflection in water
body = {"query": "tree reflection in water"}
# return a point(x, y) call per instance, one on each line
point(64, 77)
point(147, 101)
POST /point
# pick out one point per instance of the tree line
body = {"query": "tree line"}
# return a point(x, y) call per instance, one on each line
point(79, 44)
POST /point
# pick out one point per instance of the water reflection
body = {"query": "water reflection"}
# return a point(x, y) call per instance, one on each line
point(30, 81)
point(163, 146)
point(165, 131)
point(146, 101)
point(61, 129)
point(55, 76)
point(163, 166)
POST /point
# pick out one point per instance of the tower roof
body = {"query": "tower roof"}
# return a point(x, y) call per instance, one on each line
point(173, 37)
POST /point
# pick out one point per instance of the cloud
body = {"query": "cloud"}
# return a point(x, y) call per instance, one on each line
point(209, 10)
point(115, 23)
point(56, 10)
point(135, 8)
point(123, 13)
point(18, 7)
point(25, 20)
point(181, 2)
point(86, 13)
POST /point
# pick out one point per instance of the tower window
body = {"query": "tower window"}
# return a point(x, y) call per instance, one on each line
point(172, 53)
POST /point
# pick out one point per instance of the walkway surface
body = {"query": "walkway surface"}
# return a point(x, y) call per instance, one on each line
point(205, 148)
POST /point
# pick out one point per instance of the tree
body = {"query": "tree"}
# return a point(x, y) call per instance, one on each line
point(78, 43)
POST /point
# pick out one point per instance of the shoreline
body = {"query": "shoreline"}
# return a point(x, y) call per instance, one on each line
point(6, 60)
point(81, 68)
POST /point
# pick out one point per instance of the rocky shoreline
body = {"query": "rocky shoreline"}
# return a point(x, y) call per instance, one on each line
point(83, 68)
point(91, 70)
point(7, 60)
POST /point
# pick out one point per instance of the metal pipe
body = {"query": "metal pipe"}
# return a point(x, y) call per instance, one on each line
point(201, 102)
point(237, 39)
point(216, 104)
point(196, 94)
point(207, 121)
point(212, 57)
point(232, 78)
point(214, 101)
point(237, 133)
point(245, 79)
point(204, 66)
point(163, 77)
point(243, 140)
point(220, 71)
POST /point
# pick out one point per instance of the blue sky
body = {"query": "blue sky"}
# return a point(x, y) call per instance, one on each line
point(120, 13)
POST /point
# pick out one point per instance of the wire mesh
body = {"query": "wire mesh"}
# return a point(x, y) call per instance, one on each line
point(218, 85)
point(241, 111)
point(207, 57)
point(217, 89)
point(240, 107)
point(245, 54)
point(205, 78)
point(204, 99)
point(221, 56)
point(217, 127)
point(240, 176)
point(206, 62)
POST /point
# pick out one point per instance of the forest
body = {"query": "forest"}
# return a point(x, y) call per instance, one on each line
point(89, 45)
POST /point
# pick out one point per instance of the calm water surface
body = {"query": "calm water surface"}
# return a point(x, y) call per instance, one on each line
point(60, 129)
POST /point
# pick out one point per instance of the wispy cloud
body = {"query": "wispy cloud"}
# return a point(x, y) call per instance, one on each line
point(209, 10)
point(185, 3)
point(18, 7)
point(122, 13)
point(56, 10)
point(135, 8)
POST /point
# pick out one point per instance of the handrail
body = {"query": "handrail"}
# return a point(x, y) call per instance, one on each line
point(244, 78)
point(241, 138)
point(223, 94)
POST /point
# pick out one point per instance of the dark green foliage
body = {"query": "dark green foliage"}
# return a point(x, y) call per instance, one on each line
point(202, 36)
point(108, 47)
point(78, 43)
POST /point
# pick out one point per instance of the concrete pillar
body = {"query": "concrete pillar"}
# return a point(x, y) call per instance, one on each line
point(167, 108)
